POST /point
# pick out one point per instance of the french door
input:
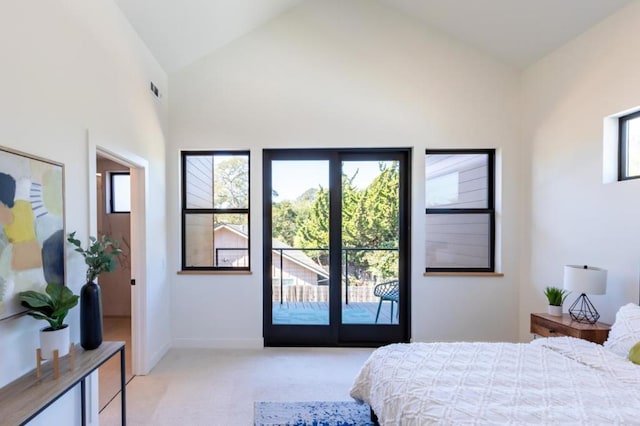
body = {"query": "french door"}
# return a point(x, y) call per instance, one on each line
point(336, 247)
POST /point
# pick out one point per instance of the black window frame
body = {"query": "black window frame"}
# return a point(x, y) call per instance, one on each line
point(623, 146)
point(112, 209)
point(213, 211)
point(489, 210)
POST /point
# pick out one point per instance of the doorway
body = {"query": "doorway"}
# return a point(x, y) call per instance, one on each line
point(336, 247)
point(113, 190)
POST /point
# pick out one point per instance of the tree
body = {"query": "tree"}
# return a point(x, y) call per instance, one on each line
point(231, 189)
point(313, 227)
point(378, 222)
point(369, 221)
point(286, 215)
point(284, 222)
point(231, 183)
point(379, 225)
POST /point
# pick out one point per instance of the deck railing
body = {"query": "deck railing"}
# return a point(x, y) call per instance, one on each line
point(353, 289)
point(311, 293)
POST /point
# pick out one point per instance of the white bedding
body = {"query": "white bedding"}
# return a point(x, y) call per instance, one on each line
point(549, 381)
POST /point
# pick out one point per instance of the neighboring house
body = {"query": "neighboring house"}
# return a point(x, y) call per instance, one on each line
point(457, 182)
point(290, 265)
point(229, 246)
point(294, 275)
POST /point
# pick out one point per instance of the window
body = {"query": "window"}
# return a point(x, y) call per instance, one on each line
point(215, 210)
point(460, 215)
point(629, 149)
point(120, 192)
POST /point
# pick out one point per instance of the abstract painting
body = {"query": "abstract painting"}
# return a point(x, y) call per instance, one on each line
point(31, 226)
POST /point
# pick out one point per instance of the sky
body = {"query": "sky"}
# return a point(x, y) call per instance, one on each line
point(292, 178)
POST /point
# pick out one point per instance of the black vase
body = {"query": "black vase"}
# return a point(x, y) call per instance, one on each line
point(90, 316)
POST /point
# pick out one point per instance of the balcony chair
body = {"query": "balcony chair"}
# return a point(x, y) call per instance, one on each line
point(387, 291)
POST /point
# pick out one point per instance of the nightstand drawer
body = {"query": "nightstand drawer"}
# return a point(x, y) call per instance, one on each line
point(551, 326)
point(546, 328)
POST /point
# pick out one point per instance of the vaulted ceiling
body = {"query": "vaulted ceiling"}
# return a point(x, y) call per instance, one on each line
point(517, 32)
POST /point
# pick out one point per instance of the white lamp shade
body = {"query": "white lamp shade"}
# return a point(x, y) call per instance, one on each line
point(585, 279)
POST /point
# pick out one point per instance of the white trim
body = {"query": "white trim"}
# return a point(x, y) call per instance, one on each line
point(93, 404)
point(610, 148)
point(139, 351)
point(219, 343)
point(158, 356)
point(91, 383)
point(139, 177)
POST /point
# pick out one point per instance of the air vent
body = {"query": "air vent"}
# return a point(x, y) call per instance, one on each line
point(154, 90)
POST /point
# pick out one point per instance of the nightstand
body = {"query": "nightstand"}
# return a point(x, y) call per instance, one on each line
point(546, 325)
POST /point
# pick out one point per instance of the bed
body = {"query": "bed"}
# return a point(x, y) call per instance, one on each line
point(560, 380)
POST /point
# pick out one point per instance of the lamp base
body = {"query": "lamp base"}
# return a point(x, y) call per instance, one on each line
point(583, 310)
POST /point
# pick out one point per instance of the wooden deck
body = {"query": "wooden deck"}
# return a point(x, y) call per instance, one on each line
point(317, 313)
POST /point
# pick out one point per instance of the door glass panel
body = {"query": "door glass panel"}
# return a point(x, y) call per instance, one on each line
point(370, 236)
point(300, 245)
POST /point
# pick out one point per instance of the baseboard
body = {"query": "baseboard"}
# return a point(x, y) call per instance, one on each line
point(219, 343)
point(155, 359)
point(159, 354)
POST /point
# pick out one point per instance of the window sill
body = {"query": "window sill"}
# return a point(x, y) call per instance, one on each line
point(214, 272)
point(463, 274)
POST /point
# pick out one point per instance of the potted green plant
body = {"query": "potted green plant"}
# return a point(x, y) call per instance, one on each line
point(52, 306)
point(555, 297)
point(100, 257)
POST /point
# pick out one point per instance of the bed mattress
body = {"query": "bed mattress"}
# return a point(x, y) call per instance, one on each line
point(549, 381)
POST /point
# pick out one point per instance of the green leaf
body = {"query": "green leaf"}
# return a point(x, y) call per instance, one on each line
point(52, 307)
point(99, 256)
point(33, 299)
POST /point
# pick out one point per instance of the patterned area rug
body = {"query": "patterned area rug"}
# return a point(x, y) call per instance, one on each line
point(312, 413)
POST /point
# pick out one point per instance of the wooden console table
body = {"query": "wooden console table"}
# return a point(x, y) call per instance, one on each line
point(27, 396)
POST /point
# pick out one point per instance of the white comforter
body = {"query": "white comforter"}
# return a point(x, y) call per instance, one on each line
point(549, 381)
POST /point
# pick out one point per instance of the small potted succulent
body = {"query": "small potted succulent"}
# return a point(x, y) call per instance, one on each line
point(556, 297)
point(52, 306)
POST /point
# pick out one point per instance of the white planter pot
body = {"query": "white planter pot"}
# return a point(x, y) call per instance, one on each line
point(556, 311)
point(52, 340)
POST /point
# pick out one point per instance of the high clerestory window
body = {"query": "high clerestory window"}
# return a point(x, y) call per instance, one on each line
point(460, 211)
point(215, 210)
point(629, 148)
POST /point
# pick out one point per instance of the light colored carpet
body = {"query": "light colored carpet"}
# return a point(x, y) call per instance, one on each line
point(219, 387)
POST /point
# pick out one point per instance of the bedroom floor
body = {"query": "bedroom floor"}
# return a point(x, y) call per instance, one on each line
point(114, 328)
point(219, 387)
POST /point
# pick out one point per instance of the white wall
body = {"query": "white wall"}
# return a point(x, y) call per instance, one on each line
point(68, 66)
point(347, 74)
point(574, 217)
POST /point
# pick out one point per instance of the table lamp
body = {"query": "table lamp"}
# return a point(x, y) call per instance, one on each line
point(584, 280)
